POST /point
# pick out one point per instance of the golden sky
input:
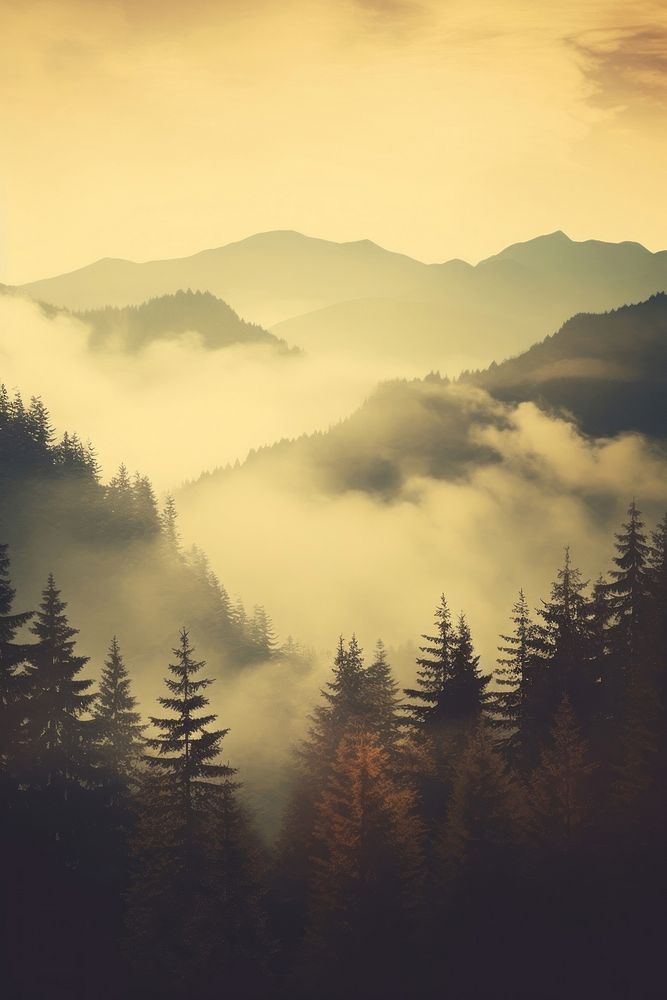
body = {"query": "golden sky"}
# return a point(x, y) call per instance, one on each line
point(440, 128)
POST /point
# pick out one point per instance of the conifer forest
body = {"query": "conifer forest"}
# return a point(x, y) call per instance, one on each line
point(333, 500)
point(491, 822)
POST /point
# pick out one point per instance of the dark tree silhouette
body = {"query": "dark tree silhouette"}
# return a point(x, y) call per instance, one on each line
point(512, 678)
point(118, 724)
point(13, 679)
point(435, 671)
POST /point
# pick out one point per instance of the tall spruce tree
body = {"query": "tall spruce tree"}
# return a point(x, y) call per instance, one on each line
point(366, 864)
point(60, 749)
point(174, 916)
point(563, 661)
point(169, 525)
point(187, 747)
point(512, 678)
point(657, 588)
point(118, 725)
point(434, 674)
point(13, 679)
point(628, 591)
point(345, 704)
point(560, 804)
point(467, 696)
point(382, 696)
point(479, 838)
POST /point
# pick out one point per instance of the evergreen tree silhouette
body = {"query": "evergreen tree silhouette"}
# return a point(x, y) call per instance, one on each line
point(13, 679)
point(187, 747)
point(466, 696)
point(174, 919)
point(382, 695)
point(628, 590)
point(560, 804)
point(366, 865)
point(563, 665)
point(60, 750)
point(434, 674)
point(118, 725)
point(169, 523)
point(512, 678)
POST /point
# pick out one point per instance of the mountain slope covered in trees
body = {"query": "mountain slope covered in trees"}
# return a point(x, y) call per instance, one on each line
point(170, 316)
point(118, 556)
point(608, 372)
point(424, 825)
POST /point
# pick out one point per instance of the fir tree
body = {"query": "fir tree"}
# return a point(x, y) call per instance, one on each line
point(59, 698)
point(38, 425)
point(169, 523)
point(120, 499)
point(13, 678)
point(657, 608)
point(628, 591)
point(560, 804)
point(512, 678)
point(174, 915)
point(382, 696)
point(562, 664)
point(345, 698)
point(144, 508)
point(117, 723)
point(434, 674)
point(480, 834)
point(187, 748)
point(466, 696)
point(366, 860)
point(60, 749)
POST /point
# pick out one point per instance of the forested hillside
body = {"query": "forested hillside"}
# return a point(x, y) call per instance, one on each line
point(429, 829)
point(116, 553)
point(609, 370)
point(606, 372)
point(170, 316)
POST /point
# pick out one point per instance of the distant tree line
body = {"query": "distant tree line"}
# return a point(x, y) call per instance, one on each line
point(474, 835)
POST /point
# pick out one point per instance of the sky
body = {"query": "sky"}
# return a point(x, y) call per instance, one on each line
point(156, 128)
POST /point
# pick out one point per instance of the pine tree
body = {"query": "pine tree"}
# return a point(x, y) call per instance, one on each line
point(366, 861)
point(174, 918)
point(144, 508)
point(560, 803)
point(657, 606)
point(117, 723)
point(628, 591)
point(562, 665)
point(38, 424)
point(238, 875)
point(512, 678)
point(382, 696)
point(466, 697)
point(434, 674)
point(345, 706)
point(169, 523)
point(13, 679)
point(187, 747)
point(60, 748)
point(262, 633)
point(120, 500)
point(480, 834)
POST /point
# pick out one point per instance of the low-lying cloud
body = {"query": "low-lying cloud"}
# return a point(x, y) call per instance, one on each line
point(176, 408)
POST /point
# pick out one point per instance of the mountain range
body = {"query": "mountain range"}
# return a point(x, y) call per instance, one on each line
point(358, 300)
